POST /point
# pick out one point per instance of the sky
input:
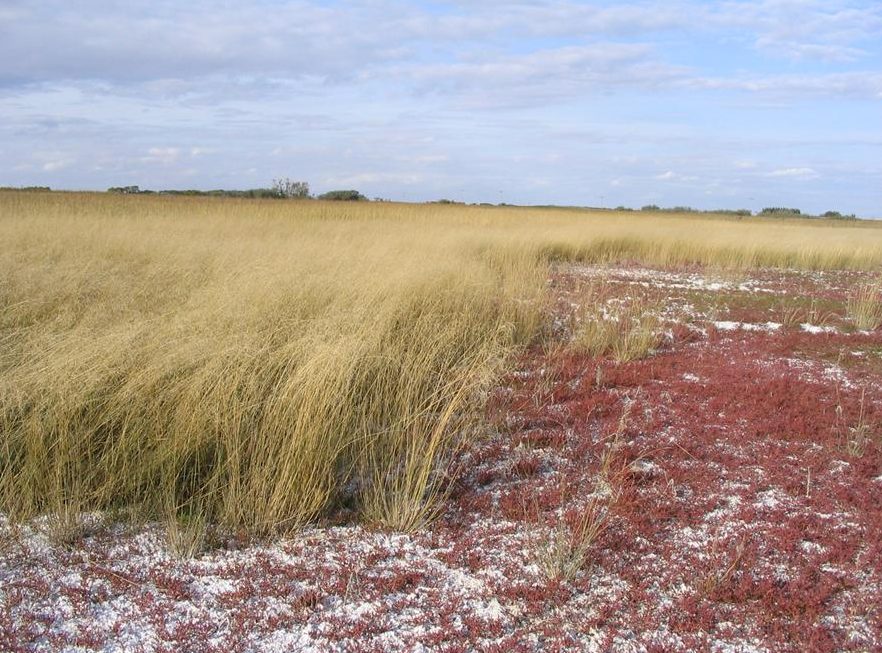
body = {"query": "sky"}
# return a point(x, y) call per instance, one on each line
point(742, 104)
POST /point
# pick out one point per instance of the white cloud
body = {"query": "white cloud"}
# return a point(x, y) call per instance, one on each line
point(670, 175)
point(822, 30)
point(492, 54)
point(796, 173)
point(424, 159)
point(162, 155)
point(819, 51)
point(542, 75)
point(168, 42)
point(357, 179)
point(855, 84)
point(52, 166)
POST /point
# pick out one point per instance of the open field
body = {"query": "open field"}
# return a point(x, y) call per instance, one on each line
point(269, 426)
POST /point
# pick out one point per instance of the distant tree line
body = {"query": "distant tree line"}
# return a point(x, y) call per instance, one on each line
point(251, 193)
point(689, 209)
point(770, 211)
point(343, 196)
point(446, 201)
point(285, 188)
point(783, 211)
point(282, 188)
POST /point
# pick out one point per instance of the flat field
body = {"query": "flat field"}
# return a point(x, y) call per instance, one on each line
point(277, 425)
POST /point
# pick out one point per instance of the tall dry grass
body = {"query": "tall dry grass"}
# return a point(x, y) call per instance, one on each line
point(247, 363)
point(255, 363)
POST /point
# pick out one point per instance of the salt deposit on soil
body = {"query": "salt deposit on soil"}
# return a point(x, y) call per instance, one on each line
point(736, 520)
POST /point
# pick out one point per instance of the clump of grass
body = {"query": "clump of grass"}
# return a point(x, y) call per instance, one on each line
point(65, 527)
point(855, 436)
point(794, 315)
point(186, 535)
point(638, 335)
point(719, 578)
point(864, 306)
point(402, 468)
point(567, 550)
point(626, 331)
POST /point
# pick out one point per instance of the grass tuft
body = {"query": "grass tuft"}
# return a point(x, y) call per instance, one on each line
point(864, 306)
point(186, 535)
point(627, 331)
point(567, 550)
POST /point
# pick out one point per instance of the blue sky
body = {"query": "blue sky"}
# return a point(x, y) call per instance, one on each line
point(709, 104)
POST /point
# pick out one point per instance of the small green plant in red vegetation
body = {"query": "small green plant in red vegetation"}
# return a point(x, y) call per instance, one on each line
point(864, 306)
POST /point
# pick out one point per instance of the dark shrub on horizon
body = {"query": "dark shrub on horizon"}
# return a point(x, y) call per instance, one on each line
point(343, 196)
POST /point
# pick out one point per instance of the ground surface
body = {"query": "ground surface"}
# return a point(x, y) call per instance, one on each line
point(736, 473)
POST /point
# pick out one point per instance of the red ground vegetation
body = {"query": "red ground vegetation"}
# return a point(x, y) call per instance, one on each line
point(739, 474)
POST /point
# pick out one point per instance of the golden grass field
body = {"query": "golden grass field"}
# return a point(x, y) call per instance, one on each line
point(256, 363)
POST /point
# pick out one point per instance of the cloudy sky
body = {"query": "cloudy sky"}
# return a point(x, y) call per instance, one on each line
point(708, 104)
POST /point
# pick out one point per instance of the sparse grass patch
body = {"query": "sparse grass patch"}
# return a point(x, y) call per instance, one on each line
point(627, 331)
point(793, 314)
point(567, 549)
point(864, 306)
point(611, 471)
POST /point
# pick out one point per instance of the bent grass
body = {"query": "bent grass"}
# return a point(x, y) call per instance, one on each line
point(267, 362)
